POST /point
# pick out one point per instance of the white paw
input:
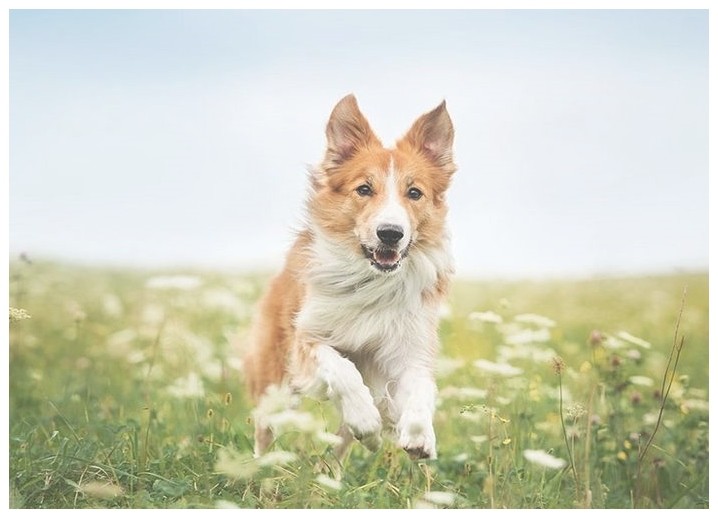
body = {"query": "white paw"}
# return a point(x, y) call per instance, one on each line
point(364, 421)
point(416, 436)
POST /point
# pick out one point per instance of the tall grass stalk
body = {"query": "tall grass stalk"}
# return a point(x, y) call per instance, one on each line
point(669, 374)
point(559, 366)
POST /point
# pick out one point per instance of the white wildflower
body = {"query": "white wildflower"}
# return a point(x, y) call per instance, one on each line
point(328, 438)
point(444, 498)
point(502, 369)
point(527, 336)
point(633, 354)
point(643, 381)
point(187, 387)
point(696, 404)
point(485, 316)
point(18, 314)
point(611, 342)
point(292, 419)
point(463, 393)
point(276, 458)
point(328, 482)
point(623, 335)
point(236, 465)
point(575, 411)
point(178, 282)
point(650, 419)
point(276, 399)
point(277, 410)
point(112, 305)
point(538, 320)
point(212, 369)
point(225, 504)
point(235, 362)
point(445, 366)
point(104, 490)
point(479, 439)
point(532, 352)
point(245, 465)
point(544, 459)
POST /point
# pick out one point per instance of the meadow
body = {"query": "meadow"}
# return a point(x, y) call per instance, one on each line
point(126, 391)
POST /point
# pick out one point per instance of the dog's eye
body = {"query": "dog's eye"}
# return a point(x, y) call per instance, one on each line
point(414, 193)
point(364, 190)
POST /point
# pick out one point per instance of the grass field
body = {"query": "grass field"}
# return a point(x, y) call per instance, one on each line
point(126, 392)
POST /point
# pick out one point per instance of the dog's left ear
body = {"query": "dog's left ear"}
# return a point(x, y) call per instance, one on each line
point(433, 135)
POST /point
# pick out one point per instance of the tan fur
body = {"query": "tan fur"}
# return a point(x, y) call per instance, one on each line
point(280, 352)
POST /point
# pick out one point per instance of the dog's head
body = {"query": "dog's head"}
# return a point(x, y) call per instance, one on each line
point(383, 202)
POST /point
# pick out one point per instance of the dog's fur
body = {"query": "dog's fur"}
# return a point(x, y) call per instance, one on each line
point(353, 314)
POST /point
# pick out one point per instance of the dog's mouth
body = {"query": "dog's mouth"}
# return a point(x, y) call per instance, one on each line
point(383, 258)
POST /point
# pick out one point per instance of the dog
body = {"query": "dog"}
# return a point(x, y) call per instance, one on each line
point(353, 315)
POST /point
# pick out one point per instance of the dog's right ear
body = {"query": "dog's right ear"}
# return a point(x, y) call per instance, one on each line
point(347, 132)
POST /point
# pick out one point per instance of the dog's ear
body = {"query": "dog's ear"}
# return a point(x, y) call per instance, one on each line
point(347, 132)
point(432, 134)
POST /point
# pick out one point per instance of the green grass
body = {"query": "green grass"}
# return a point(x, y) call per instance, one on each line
point(126, 392)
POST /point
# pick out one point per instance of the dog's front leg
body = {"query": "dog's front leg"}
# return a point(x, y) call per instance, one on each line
point(335, 377)
point(414, 403)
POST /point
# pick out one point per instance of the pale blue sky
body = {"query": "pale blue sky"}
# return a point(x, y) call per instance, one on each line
point(182, 137)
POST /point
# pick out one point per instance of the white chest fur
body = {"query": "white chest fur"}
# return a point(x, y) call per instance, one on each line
point(363, 312)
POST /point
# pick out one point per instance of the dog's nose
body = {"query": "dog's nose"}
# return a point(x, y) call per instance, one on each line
point(389, 234)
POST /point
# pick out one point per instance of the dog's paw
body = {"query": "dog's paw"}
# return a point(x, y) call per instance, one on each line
point(364, 421)
point(416, 437)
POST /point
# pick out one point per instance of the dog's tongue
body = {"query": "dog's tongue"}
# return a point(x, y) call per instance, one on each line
point(386, 257)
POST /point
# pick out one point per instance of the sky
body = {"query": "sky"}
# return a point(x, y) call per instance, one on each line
point(182, 138)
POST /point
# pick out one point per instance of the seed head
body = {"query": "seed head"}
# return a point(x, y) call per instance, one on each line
point(575, 411)
point(596, 338)
point(18, 314)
